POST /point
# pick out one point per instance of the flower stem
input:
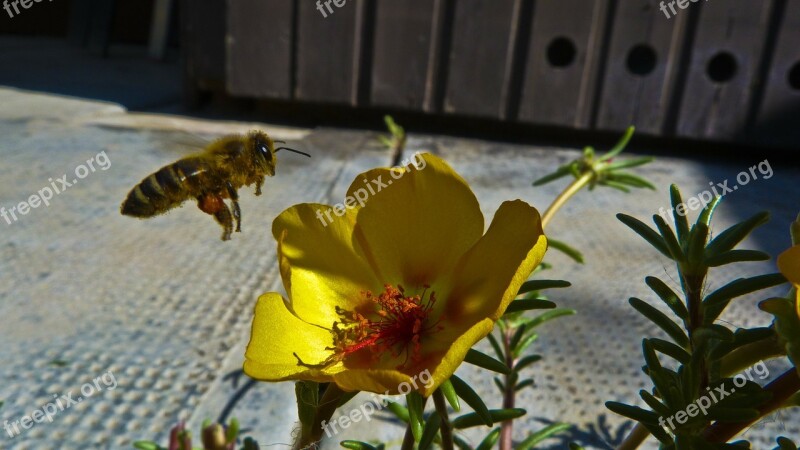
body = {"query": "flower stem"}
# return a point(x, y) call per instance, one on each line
point(509, 396)
point(445, 427)
point(782, 388)
point(635, 438)
point(408, 439)
point(573, 188)
point(311, 433)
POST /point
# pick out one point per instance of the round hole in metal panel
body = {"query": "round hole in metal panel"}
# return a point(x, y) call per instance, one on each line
point(641, 60)
point(561, 52)
point(794, 76)
point(722, 67)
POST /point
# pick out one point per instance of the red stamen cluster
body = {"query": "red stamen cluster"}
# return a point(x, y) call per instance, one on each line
point(396, 326)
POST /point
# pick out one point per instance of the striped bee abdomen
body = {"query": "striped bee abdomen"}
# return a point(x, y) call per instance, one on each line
point(167, 188)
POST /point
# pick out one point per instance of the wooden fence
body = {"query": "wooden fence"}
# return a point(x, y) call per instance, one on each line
point(725, 70)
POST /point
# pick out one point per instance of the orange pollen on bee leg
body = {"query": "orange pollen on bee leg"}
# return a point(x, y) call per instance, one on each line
point(396, 325)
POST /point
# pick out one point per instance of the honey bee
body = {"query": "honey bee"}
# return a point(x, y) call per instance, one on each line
point(210, 176)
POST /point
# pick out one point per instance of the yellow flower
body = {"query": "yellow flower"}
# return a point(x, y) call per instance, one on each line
point(401, 282)
point(789, 265)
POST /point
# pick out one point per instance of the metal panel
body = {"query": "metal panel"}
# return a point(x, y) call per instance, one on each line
point(563, 61)
point(259, 53)
point(726, 56)
point(642, 67)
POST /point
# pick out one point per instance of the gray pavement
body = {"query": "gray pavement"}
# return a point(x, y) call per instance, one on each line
point(165, 307)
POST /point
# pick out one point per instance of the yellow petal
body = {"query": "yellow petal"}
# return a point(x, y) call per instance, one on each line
point(789, 264)
point(417, 221)
point(322, 263)
point(276, 336)
point(490, 274)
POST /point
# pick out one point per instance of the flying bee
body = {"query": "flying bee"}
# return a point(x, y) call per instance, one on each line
point(214, 174)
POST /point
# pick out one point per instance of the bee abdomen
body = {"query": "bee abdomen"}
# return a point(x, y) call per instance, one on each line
point(157, 193)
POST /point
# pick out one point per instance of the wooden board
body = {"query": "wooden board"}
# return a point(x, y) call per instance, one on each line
point(778, 117)
point(642, 67)
point(562, 72)
point(328, 53)
point(726, 55)
point(481, 56)
point(204, 28)
point(404, 51)
point(259, 48)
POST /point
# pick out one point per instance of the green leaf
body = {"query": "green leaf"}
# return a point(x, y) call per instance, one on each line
point(668, 296)
point(645, 232)
point(431, 430)
point(473, 399)
point(655, 403)
point(640, 415)
point(621, 144)
point(461, 443)
point(489, 441)
point(399, 410)
point(548, 316)
point(416, 409)
point(527, 305)
point(671, 328)
point(728, 239)
point(542, 434)
point(233, 430)
point(479, 359)
point(674, 247)
point(785, 444)
point(526, 361)
point(742, 286)
point(697, 244)
point(497, 415)
point(681, 221)
point(734, 256)
point(559, 173)
point(673, 351)
point(540, 285)
point(615, 185)
point(523, 384)
point(499, 384)
point(357, 445)
point(629, 163)
point(566, 249)
point(496, 345)
point(519, 349)
point(450, 394)
point(517, 336)
point(146, 445)
point(708, 211)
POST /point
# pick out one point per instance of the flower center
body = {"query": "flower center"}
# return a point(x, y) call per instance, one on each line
point(396, 325)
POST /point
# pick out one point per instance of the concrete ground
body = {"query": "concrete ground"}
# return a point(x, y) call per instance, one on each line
point(154, 315)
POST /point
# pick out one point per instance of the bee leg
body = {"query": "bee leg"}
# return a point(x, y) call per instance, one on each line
point(223, 217)
point(237, 212)
point(259, 183)
point(215, 205)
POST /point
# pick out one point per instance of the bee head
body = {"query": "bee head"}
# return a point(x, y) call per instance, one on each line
point(264, 149)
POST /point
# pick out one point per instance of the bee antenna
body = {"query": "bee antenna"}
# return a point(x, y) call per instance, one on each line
point(292, 150)
point(279, 142)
